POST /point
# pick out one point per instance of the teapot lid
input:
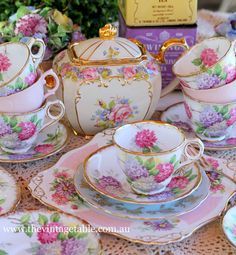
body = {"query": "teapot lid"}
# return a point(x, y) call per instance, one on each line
point(108, 49)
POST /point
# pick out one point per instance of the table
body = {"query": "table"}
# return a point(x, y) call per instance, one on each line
point(207, 240)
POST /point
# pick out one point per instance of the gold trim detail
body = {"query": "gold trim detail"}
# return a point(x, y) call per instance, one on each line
point(195, 46)
point(140, 218)
point(179, 235)
point(18, 193)
point(87, 178)
point(108, 32)
point(149, 153)
point(126, 83)
point(207, 148)
point(42, 156)
point(22, 69)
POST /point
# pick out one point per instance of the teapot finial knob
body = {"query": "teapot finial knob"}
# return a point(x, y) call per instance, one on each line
point(107, 32)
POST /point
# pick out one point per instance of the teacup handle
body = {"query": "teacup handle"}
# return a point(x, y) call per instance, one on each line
point(54, 118)
point(192, 158)
point(38, 57)
point(51, 89)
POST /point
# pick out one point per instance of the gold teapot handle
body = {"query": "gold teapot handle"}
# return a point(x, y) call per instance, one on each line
point(160, 56)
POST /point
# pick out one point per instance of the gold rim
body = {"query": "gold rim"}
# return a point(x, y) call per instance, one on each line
point(68, 132)
point(18, 193)
point(223, 230)
point(150, 153)
point(222, 148)
point(138, 218)
point(48, 210)
point(87, 178)
point(181, 237)
point(195, 46)
point(21, 70)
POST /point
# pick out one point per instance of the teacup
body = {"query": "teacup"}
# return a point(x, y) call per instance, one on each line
point(18, 131)
point(208, 64)
point(32, 97)
point(150, 152)
point(210, 121)
point(223, 94)
point(18, 65)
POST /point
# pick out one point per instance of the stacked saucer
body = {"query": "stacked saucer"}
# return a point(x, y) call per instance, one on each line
point(142, 175)
point(24, 91)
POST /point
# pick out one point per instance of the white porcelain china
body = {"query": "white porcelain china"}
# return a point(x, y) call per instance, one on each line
point(149, 153)
point(49, 141)
point(229, 225)
point(105, 175)
point(210, 121)
point(47, 232)
point(19, 131)
point(18, 65)
point(150, 210)
point(115, 79)
point(32, 97)
point(176, 115)
point(214, 95)
point(9, 192)
point(208, 64)
point(169, 230)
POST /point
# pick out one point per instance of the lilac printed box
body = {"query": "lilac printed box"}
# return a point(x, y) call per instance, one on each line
point(153, 37)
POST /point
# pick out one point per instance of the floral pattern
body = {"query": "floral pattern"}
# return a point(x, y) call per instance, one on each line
point(20, 84)
point(215, 76)
point(53, 235)
point(229, 225)
point(16, 130)
point(4, 65)
point(146, 140)
point(115, 113)
point(111, 52)
point(213, 120)
point(64, 190)
point(160, 225)
point(91, 74)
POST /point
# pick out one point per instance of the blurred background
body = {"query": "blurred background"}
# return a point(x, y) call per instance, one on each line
point(223, 5)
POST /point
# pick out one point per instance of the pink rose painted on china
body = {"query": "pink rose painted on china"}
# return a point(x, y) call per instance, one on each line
point(209, 57)
point(89, 74)
point(149, 153)
point(4, 65)
point(147, 141)
point(208, 64)
point(115, 112)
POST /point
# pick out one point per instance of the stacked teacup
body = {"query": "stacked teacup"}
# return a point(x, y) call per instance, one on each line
point(207, 73)
point(23, 93)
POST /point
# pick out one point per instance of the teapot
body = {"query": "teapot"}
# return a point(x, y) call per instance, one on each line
point(110, 81)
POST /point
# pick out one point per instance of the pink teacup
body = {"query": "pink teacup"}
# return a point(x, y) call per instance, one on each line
point(31, 98)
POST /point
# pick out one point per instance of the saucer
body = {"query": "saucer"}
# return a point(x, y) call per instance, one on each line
point(48, 188)
point(109, 180)
point(49, 141)
point(9, 192)
point(47, 232)
point(177, 116)
point(137, 211)
point(229, 225)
